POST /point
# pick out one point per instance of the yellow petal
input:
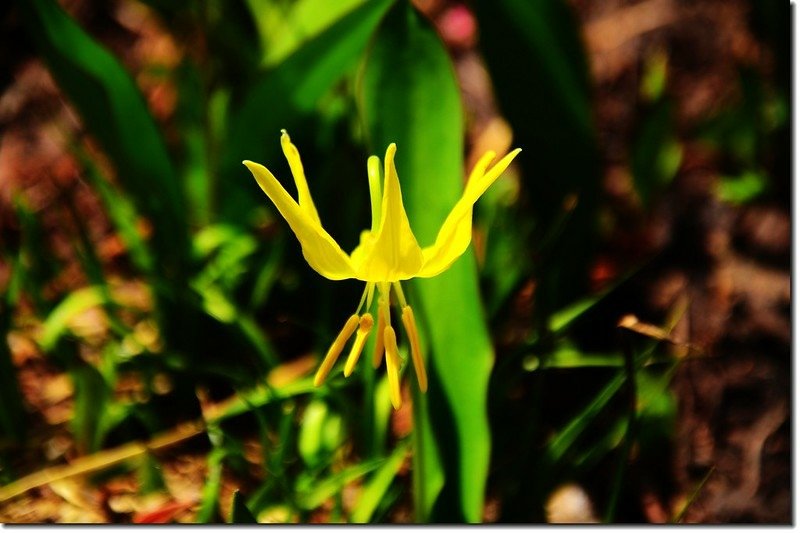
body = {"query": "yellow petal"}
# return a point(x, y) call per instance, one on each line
point(296, 165)
point(456, 232)
point(392, 254)
point(320, 250)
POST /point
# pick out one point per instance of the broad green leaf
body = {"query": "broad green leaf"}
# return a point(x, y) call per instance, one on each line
point(283, 28)
point(289, 93)
point(535, 58)
point(113, 110)
point(376, 488)
point(410, 96)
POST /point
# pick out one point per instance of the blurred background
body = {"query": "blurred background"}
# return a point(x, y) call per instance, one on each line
point(613, 348)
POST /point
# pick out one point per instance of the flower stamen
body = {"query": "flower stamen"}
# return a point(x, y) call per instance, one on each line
point(336, 349)
point(392, 366)
point(416, 352)
point(364, 327)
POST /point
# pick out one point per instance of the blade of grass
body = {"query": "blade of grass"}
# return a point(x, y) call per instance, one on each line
point(678, 518)
point(122, 213)
point(631, 428)
point(377, 487)
point(209, 499)
point(57, 322)
point(333, 485)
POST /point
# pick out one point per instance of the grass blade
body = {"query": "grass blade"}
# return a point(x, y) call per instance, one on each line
point(377, 487)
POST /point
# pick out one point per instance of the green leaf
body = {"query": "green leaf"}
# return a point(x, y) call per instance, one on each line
point(377, 487)
point(240, 514)
point(315, 496)
point(564, 439)
point(321, 433)
point(57, 322)
point(149, 475)
point(122, 214)
point(742, 189)
point(565, 355)
point(539, 70)
point(289, 93)
point(113, 110)
point(410, 96)
point(92, 399)
point(209, 502)
point(284, 28)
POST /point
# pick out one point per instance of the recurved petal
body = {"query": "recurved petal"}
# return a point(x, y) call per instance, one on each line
point(394, 254)
point(322, 253)
point(456, 232)
point(304, 199)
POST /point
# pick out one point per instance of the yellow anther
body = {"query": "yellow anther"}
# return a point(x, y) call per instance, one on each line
point(382, 322)
point(335, 349)
point(392, 366)
point(416, 352)
point(364, 326)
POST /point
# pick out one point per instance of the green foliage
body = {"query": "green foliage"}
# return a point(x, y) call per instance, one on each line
point(539, 72)
point(115, 113)
point(231, 308)
point(410, 96)
point(288, 94)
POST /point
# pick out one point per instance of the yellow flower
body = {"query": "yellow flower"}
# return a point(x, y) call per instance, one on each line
point(387, 254)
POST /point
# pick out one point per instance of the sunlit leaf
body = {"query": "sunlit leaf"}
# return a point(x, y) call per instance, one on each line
point(57, 323)
point(287, 94)
point(410, 96)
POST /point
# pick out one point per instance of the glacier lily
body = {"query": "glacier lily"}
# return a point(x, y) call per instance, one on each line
point(387, 254)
